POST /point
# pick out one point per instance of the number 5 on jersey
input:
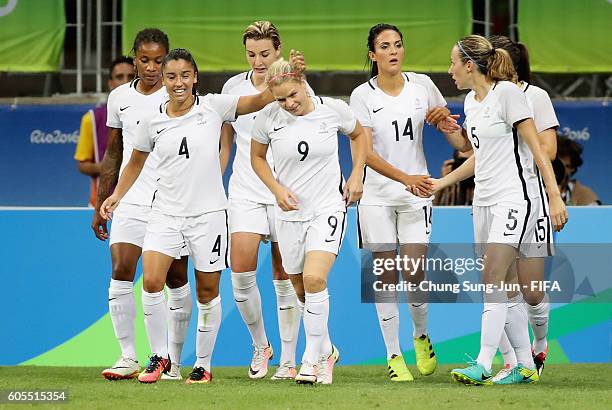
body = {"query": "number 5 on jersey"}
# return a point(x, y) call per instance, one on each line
point(183, 150)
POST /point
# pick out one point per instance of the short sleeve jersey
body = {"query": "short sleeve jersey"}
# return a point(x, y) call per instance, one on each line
point(499, 174)
point(244, 183)
point(305, 151)
point(126, 108)
point(189, 170)
point(397, 133)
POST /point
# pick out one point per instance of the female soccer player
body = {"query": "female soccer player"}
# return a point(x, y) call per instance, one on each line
point(506, 196)
point(538, 306)
point(127, 105)
point(393, 107)
point(311, 197)
point(251, 212)
point(185, 134)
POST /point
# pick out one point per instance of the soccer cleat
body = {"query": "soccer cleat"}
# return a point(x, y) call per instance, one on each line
point(473, 374)
point(520, 374)
point(286, 371)
point(199, 376)
point(325, 367)
point(425, 356)
point(173, 374)
point(539, 360)
point(307, 375)
point(503, 373)
point(398, 372)
point(259, 363)
point(123, 369)
point(157, 365)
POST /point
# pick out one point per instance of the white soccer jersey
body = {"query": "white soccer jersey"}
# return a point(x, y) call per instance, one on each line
point(189, 171)
point(244, 183)
point(126, 108)
point(305, 151)
point(397, 133)
point(500, 174)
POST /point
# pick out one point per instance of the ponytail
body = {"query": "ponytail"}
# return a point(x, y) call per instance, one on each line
point(523, 68)
point(500, 67)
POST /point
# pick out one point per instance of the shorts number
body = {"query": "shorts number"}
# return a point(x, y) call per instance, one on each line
point(427, 218)
point(475, 139)
point(303, 149)
point(183, 150)
point(407, 130)
point(332, 221)
point(541, 230)
point(512, 218)
point(217, 246)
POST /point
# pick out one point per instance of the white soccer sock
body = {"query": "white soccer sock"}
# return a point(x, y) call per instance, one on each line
point(316, 315)
point(288, 319)
point(539, 316)
point(179, 314)
point(505, 348)
point(156, 321)
point(248, 300)
point(493, 320)
point(419, 318)
point(209, 321)
point(387, 310)
point(518, 333)
point(122, 309)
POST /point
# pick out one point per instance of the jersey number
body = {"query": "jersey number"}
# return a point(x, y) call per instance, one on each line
point(217, 246)
point(303, 149)
point(513, 219)
point(475, 139)
point(183, 150)
point(407, 130)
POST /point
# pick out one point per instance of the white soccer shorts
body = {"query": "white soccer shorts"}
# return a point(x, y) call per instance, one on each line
point(248, 216)
point(206, 237)
point(512, 223)
point(296, 238)
point(381, 228)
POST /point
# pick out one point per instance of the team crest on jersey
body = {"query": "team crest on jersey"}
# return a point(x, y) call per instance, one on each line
point(417, 103)
point(487, 113)
point(200, 119)
point(323, 127)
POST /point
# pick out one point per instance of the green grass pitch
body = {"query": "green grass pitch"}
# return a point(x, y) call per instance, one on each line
point(355, 387)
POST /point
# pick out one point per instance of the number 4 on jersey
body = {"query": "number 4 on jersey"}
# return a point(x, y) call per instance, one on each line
point(183, 150)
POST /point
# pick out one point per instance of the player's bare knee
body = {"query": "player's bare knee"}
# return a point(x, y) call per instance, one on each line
point(278, 273)
point(533, 297)
point(152, 284)
point(314, 284)
point(206, 293)
point(123, 270)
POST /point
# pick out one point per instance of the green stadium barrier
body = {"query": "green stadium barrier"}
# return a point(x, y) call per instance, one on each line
point(32, 35)
point(567, 36)
point(332, 34)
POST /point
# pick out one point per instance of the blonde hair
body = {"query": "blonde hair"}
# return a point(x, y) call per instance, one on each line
point(280, 72)
point(261, 30)
point(493, 62)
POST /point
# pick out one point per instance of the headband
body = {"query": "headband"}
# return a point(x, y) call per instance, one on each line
point(289, 74)
point(484, 67)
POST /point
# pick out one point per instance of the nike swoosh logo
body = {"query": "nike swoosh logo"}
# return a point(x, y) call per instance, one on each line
point(417, 304)
point(124, 108)
point(148, 314)
point(508, 234)
point(483, 377)
point(180, 307)
point(120, 367)
point(112, 299)
point(538, 325)
point(488, 310)
point(160, 131)
point(252, 371)
point(203, 331)
point(285, 308)
point(375, 111)
point(240, 301)
point(279, 128)
point(329, 240)
point(215, 261)
point(388, 318)
point(313, 313)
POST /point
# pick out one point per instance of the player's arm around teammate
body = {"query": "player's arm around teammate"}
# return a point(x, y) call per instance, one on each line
point(302, 133)
point(126, 105)
point(184, 215)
